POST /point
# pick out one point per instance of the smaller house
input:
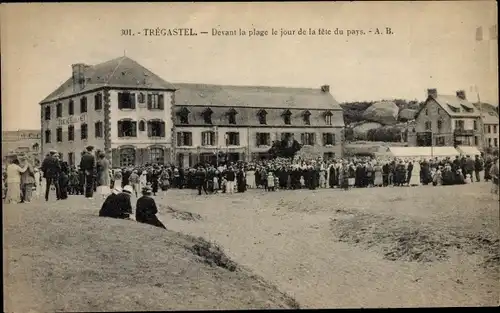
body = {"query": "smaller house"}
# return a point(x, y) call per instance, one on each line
point(489, 118)
point(446, 120)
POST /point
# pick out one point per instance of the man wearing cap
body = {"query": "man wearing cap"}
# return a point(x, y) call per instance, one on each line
point(87, 166)
point(51, 170)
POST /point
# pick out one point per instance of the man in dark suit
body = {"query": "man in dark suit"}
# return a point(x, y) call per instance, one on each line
point(87, 166)
point(51, 170)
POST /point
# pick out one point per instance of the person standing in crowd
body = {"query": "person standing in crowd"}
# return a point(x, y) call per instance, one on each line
point(63, 180)
point(469, 168)
point(87, 165)
point(38, 183)
point(51, 169)
point(378, 180)
point(27, 182)
point(241, 180)
point(478, 167)
point(14, 172)
point(103, 178)
point(201, 180)
point(146, 209)
point(415, 174)
point(230, 178)
point(134, 181)
point(494, 173)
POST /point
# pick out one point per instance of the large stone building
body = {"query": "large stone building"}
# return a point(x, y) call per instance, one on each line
point(489, 117)
point(243, 121)
point(136, 117)
point(117, 106)
point(446, 120)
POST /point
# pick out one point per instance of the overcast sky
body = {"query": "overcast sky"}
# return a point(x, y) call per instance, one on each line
point(433, 46)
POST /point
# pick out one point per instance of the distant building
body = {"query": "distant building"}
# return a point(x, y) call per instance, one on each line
point(489, 117)
point(21, 142)
point(446, 120)
point(117, 106)
point(243, 121)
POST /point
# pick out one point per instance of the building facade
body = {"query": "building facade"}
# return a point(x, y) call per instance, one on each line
point(21, 142)
point(243, 121)
point(489, 118)
point(447, 120)
point(118, 107)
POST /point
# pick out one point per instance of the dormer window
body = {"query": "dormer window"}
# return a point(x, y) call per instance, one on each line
point(467, 109)
point(262, 114)
point(287, 117)
point(453, 109)
point(184, 116)
point(207, 116)
point(231, 116)
point(328, 117)
point(141, 98)
point(307, 117)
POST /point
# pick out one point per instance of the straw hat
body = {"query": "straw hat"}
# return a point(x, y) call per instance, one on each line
point(117, 190)
point(128, 189)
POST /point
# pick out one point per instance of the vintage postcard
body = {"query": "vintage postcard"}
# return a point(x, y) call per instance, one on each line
point(178, 156)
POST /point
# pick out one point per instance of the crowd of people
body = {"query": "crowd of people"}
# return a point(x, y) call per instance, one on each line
point(95, 176)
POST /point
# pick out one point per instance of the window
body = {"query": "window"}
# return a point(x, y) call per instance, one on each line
point(127, 128)
point(71, 133)
point(428, 126)
point(59, 134)
point(467, 109)
point(232, 139)
point(84, 129)
point(494, 129)
point(454, 109)
point(439, 111)
point(207, 116)
point(155, 101)
point(328, 118)
point(142, 126)
point(440, 141)
point(47, 136)
point(126, 100)
point(184, 116)
point(99, 130)
point(156, 128)
point(308, 139)
point(83, 104)
point(487, 129)
point(141, 98)
point(71, 107)
point(98, 102)
point(156, 155)
point(476, 141)
point(262, 114)
point(475, 125)
point(439, 124)
point(231, 116)
point(127, 157)
point(489, 142)
point(287, 117)
point(426, 111)
point(184, 139)
point(328, 155)
point(208, 138)
point(307, 118)
point(263, 139)
point(47, 113)
point(460, 125)
point(495, 142)
point(59, 110)
point(328, 139)
point(71, 158)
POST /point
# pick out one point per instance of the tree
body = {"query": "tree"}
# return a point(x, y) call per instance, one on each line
point(285, 148)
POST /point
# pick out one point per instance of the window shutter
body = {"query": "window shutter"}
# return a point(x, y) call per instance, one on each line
point(333, 139)
point(132, 100)
point(257, 139)
point(120, 130)
point(190, 139)
point(325, 139)
point(115, 158)
point(313, 138)
point(120, 100)
point(162, 129)
point(134, 129)
point(150, 101)
point(268, 139)
point(237, 139)
point(302, 138)
point(179, 139)
point(161, 100)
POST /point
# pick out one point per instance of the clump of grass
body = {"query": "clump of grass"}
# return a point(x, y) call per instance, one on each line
point(183, 215)
point(212, 254)
point(418, 246)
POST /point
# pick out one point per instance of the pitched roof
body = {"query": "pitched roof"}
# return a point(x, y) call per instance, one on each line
point(489, 114)
point(453, 106)
point(254, 96)
point(120, 72)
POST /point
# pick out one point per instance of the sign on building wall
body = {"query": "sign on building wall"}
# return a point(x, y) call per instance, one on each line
point(72, 120)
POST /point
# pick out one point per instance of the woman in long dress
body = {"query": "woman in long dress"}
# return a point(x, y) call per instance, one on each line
point(251, 178)
point(378, 180)
point(14, 172)
point(415, 174)
point(103, 179)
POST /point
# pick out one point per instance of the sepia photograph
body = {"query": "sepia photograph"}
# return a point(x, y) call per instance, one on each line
point(244, 155)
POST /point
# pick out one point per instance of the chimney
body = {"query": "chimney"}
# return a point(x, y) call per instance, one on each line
point(325, 88)
point(78, 76)
point(432, 93)
point(461, 94)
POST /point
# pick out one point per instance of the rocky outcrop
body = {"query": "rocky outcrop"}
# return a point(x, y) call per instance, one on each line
point(384, 112)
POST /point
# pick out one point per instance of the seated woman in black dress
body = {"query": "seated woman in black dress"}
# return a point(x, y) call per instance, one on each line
point(145, 210)
point(117, 204)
